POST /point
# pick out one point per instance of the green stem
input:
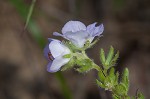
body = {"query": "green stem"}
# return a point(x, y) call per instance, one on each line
point(95, 66)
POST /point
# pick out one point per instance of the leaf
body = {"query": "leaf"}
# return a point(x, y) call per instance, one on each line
point(115, 96)
point(101, 76)
point(120, 89)
point(113, 61)
point(30, 13)
point(112, 72)
point(102, 56)
point(116, 78)
point(140, 96)
point(112, 76)
point(109, 56)
point(125, 78)
point(100, 84)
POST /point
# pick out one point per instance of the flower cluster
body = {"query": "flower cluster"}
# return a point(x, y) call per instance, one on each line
point(63, 55)
point(77, 34)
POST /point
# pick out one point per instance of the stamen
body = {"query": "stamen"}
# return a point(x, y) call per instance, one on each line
point(50, 56)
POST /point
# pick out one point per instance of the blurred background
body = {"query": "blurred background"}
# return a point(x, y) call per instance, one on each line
point(23, 72)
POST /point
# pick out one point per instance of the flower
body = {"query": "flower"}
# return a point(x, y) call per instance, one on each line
point(54, 52)
point(78, 33)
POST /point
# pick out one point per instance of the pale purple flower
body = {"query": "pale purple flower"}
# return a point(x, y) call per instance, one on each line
point(54, 52)
point(78, 33)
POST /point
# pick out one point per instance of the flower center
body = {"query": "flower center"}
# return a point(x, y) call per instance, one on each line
point(50, 57)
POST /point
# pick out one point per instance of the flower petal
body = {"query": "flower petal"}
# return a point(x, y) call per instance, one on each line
point(91, 27)
point(48, 66)
point(57, 48)
point(73, 26)
point(95, 31)
point(98, 30)
point(46, 51)
point(57, 64)
point(57, 34)
point(78, 38)
point(51, 39)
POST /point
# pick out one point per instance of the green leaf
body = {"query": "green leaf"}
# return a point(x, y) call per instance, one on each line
point(116, 78)
point(125, 77)
point(108, 83)
point(100, 84)
point(109, 56)
point(30, 13)
point(112, 76)
point(115, 96)
point(120, 89)
point(101, 76)
point(113, 61)
point(140, 96)
point(102, 56)
point(112, 72)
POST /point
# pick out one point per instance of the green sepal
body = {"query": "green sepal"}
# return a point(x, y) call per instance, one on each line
point(86, 45)
point(71, 46)
point(85, 65)
point(69, 65)
point(100, 84)
point(93, 43)
point(102, 56)
point(67, 56)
